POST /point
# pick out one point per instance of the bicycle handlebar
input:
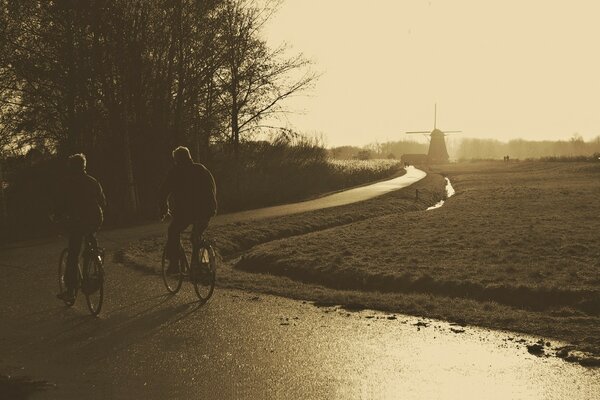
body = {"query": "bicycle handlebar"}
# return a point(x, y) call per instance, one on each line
point(166, 216)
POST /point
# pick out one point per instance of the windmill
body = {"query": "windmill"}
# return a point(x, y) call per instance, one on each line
point(437, 145)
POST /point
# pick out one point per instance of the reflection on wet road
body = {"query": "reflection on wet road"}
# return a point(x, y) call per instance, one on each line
point(435, 362)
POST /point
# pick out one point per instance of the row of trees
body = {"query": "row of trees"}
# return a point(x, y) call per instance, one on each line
point(523, 149)
point(473, 148)
point(378, 150)
point(127, 80)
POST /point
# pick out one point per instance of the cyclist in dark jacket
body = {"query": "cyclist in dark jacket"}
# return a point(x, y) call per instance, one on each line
point(80, 207)
point(189, 195)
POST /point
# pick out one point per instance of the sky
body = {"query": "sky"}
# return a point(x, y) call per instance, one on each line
point(500, 69)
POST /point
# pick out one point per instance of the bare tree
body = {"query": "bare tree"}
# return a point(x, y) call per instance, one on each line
point(125, 80)
point(256, 79)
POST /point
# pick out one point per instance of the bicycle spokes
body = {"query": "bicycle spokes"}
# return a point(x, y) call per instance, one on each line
point(201, 271)
point(205, 274)
point(62, 270)
point(93, 283)
point(172, 272)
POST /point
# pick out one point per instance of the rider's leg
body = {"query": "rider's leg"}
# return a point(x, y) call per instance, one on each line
point(75, 241)
point(176, 226)
point(198, 229)
point(90, 238)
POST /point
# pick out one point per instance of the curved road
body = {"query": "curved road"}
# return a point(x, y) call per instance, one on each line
point(247, 346)
point(361, 193)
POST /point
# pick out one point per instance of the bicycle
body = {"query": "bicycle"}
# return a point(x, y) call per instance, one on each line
point(90, 276)
point(201, 271)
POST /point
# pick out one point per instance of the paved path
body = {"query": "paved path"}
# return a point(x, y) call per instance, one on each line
point(362, 193)
point(247, 346)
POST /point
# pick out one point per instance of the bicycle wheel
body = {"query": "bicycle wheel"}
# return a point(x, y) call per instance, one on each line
point(62, 267)
point(173, 279)
point(92, 284)
point(205, 277)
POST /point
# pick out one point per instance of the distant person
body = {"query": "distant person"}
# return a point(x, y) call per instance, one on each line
point(80, 209)
point(189, 195)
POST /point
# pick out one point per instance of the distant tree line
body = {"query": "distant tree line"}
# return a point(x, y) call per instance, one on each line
point(378, 150)
point(125, 81)
point(525, 149)
point(473, 148)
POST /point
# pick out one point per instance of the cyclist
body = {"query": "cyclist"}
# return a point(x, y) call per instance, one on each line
point(80, 208)
point(189, 195)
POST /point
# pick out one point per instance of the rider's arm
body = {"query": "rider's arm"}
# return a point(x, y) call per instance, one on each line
point(212, 194)
point(208, 191)
point(100, 196)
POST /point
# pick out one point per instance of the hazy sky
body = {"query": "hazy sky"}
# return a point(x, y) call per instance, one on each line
point(497, 69)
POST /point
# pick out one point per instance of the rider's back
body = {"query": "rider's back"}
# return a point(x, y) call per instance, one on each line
point(83, 199)
point(192, 190)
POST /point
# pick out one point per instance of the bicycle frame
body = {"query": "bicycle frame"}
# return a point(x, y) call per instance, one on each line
point(92, 257)
point(189, 268)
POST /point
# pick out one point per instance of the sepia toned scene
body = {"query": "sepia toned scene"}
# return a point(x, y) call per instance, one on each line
point(299, 199)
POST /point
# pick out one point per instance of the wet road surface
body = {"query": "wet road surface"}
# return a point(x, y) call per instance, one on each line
point(243, 345)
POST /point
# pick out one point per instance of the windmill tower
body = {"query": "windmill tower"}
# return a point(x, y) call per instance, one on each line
point(437, 153)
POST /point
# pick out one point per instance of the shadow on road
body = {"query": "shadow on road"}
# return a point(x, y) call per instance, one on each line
point(120, 329)
point(69, 337)
point(20, 388)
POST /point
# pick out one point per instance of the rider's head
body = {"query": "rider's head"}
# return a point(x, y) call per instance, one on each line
point(77, 162)
point(182, 156)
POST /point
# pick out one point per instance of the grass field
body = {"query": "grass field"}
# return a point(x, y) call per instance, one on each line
point(517, 247)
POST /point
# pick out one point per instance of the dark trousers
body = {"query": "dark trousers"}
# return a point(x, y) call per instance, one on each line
point(178, 225)
point(76, 238)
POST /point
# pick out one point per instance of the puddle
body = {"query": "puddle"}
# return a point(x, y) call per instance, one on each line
point(449, 193)
point(426, 358)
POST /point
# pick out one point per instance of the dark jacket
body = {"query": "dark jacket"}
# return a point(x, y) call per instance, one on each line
point(82, 200)
point(190, 191)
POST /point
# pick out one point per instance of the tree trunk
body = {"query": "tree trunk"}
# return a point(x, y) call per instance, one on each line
point(235, 128)
point(132, 199)
point(70, 89)
point(3, 207)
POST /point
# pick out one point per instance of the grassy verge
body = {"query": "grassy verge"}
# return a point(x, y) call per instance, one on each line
point(516, 248)
point(235, 238)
